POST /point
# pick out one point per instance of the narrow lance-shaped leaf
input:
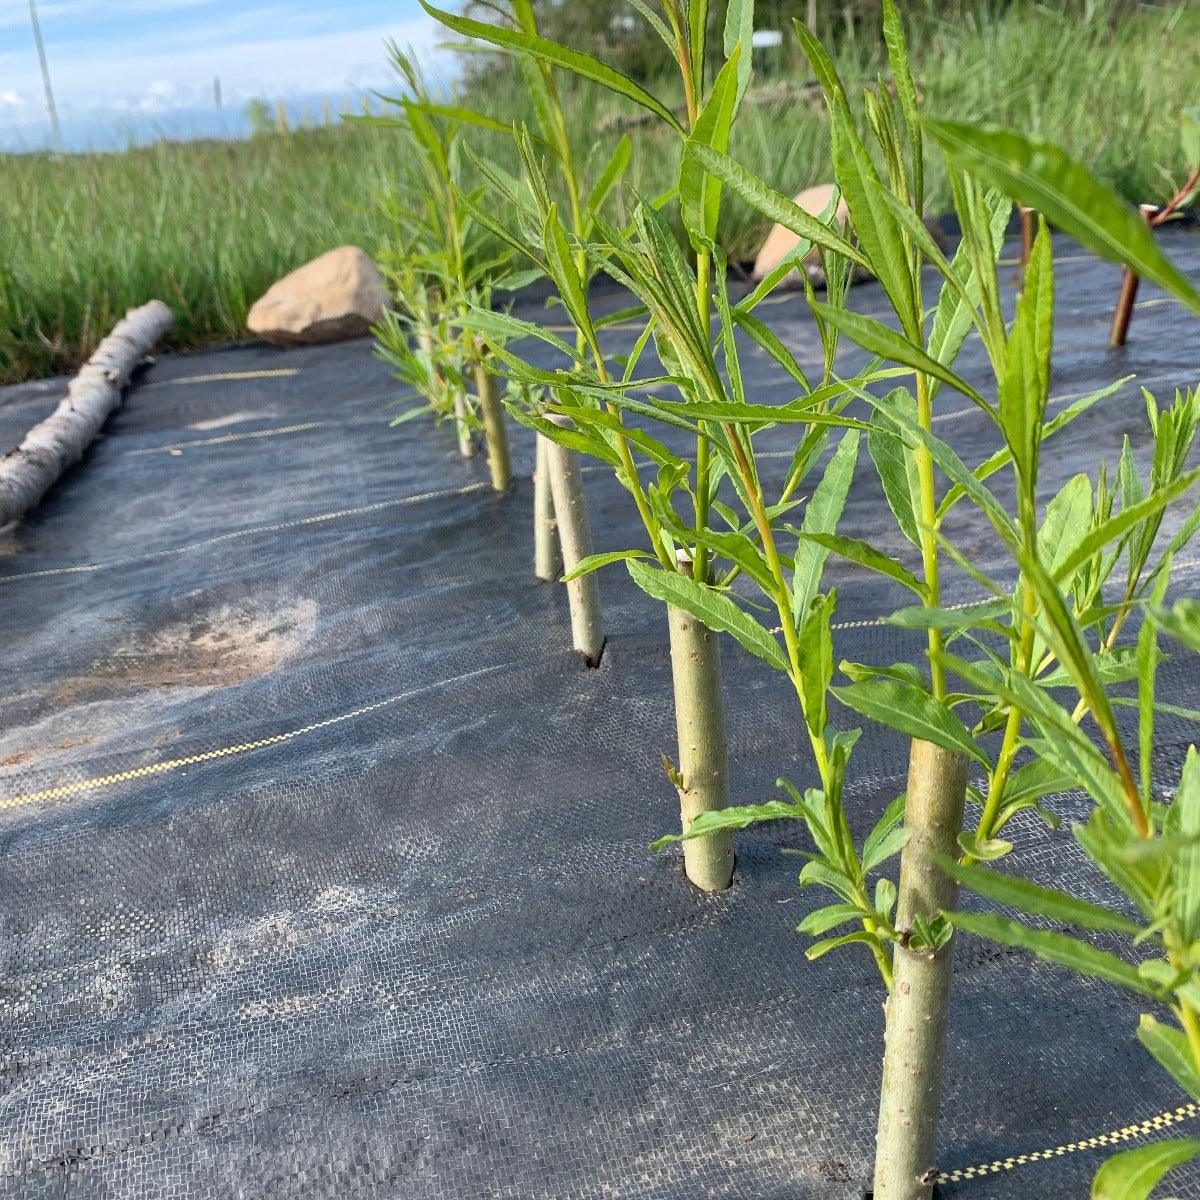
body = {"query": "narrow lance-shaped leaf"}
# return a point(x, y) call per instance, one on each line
point(874, 222)
point(1172, 1052)
point(699, 189)
point(1187, 809)
point(593, 562)
point(1056, 948)
point(737, 816)
point(1036, 900)
point(557, 55)
point(912, 711)
point(816, 662)
point(1043, 177)
point(712, 608)
point(863, 553)
point(906, 90)
point(739, 28)
point(955, 314)
point(879, 339)
point(822, 514)
point(774, 204)
point(895, 464)
point(1120, 523)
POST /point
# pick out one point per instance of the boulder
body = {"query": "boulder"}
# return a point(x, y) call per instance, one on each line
point(781, 242)
point(337, 296)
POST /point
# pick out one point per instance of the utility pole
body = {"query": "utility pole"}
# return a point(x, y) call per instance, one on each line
point(55, 131)
point(217, 92)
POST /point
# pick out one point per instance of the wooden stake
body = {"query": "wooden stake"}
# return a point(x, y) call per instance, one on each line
point(1118, 331)
point(1027, 232)
point(547, 555)
point(919, 1002)
point(702, 776)
point(575, 537)
point(27, 472)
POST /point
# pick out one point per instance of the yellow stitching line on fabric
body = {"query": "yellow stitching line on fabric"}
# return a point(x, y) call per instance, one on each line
point(225, 437)
point(1126, 1133)
point(222, 376)
point(61, 792)
point(249, 532)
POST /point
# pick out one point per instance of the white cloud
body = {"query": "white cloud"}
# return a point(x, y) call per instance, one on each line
point(11, 99)
point(271, 66)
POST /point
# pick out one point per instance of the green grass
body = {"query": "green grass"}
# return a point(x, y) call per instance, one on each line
point(208, 226)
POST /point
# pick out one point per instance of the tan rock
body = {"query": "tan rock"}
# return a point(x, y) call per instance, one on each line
point(781, 242)
point(337, 296)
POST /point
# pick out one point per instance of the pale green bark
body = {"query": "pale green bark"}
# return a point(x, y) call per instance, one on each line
point(919, 1003)
point(491, 412)
point(547, 558)
point(702, 777)
point(466, 441)
point(575, 538)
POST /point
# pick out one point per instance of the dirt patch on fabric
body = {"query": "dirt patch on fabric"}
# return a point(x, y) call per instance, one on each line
point(218, 648)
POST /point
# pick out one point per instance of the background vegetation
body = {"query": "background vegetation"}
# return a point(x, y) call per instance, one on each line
point(207, 227)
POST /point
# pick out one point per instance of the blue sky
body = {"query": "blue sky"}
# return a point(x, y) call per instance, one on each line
point(126, 66)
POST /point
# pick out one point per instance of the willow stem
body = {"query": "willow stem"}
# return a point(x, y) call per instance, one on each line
point(1012, 726)
point(575, 536)
point(918, 1006)
point(547, 556)
point(929, 547)
point(492, 413)
point(702, 777)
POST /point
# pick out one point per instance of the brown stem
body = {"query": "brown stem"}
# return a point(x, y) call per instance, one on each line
point(1127, 296)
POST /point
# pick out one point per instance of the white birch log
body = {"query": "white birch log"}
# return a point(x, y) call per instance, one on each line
point(29, 470)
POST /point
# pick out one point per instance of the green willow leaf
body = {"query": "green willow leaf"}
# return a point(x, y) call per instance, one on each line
point(820, 949)
point(895, 464)
point(769, 341)
point(1036, 900)
point(822, 920)
point(1122, 522)
point(858, 551)
point(710, 607)
point(822, 514)
point(874, 222)
point(1187, 871)
point(613, 171)
point(906, 90)
point(593, 562)
point(1134, 1174)
point(1172, 1052)
point(700, 190)
point(736, 817)
point(774, 204)
point(739, 29)
point(1054, 947)
point(1182, 622)
point(879, 339)
point(911, 711)
point(556, 55)
point(1043, 177)
point(954, 316)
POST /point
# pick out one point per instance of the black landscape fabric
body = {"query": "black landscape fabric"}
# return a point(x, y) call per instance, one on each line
point(323, 860)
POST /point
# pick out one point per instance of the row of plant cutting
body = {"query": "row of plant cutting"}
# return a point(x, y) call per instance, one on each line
point(1018, 694)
